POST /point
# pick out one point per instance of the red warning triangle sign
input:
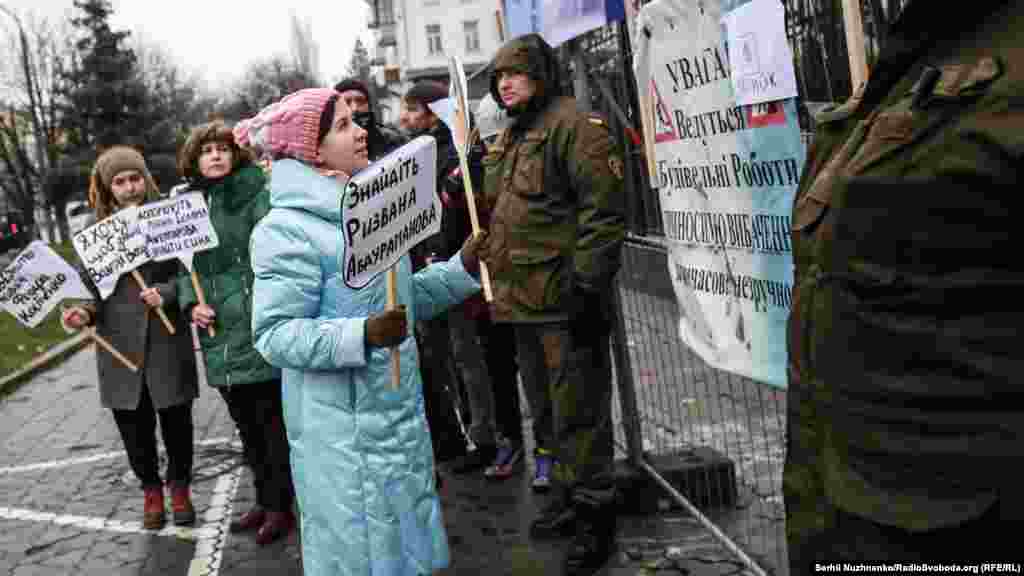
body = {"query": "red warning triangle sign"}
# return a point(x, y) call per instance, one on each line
point(664, 130)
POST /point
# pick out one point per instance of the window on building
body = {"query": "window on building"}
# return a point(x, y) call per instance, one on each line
point(434, 46)
point(385, 11)
point(471, 29)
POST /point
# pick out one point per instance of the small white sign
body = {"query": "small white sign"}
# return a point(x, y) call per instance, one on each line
point(759, 55)
point(387, 209)
point(36, 281)
point(111, 247)
point(178, 228)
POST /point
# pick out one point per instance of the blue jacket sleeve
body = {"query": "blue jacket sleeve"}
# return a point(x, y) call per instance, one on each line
point(440, 286)
point(287, 329)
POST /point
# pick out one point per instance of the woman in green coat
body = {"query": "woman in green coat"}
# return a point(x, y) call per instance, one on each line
point(237, 196)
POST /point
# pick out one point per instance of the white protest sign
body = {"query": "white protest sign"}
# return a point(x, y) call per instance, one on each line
point(178, 228)
point(112, 247)
point(444, 109)
point(36, 281)
point(387, 209)
point(459, 94)
point(453, 110)
point(759, 55)
point(726, 175)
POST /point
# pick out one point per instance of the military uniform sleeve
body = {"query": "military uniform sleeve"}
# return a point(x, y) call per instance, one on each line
point(595, 169)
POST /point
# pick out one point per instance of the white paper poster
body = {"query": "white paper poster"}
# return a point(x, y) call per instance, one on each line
point(726, 174)
point(178, 228)
point(761, 60)
point(112, 247)
point(36, 281)
point(387, 209)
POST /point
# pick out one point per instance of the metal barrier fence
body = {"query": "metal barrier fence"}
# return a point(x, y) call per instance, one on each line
point(720, 436)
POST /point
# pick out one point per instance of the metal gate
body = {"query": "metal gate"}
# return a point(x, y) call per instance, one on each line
point(673, 407)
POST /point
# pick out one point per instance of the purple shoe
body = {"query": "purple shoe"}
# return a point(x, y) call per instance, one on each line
point(504, 462)
point(544, 462)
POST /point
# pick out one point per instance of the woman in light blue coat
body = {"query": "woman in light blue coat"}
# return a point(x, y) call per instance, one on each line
point(360, 449)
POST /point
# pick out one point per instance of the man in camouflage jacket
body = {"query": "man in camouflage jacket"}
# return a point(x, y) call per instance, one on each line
point(905, 409)
point(554, 187)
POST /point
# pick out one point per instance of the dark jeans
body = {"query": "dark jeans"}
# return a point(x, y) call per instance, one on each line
point(438, 376)
point(568, 372)
point(138, 432)
point(499, 343)
point(256, 410)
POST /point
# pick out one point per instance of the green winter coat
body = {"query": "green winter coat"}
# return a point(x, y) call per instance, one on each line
point(554, 187)
point(904, 402)
point(236, 204)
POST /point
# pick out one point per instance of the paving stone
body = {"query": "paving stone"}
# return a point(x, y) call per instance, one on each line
point(58, 417)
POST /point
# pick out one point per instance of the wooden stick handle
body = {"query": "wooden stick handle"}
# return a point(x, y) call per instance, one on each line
point(649, 111)
point(202, 300)
point(102, 342)
point(854, 25)
point(159, 311)
point(474, 220)
point(396, 358)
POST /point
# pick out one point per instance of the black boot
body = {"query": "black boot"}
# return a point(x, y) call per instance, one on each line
point(594, 541)
point(556, 520)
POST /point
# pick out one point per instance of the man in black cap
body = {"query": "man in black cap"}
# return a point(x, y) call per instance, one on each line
point(381, 138)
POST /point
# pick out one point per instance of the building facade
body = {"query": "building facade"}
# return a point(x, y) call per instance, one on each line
point(413, 40)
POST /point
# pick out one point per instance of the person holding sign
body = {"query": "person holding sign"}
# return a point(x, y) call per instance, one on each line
point(360, 446)
point(432, 336)
point(236, 192)
point(165, 384)
point(554, 185)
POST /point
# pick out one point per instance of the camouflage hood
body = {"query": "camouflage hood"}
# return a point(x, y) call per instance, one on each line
point(532, 56)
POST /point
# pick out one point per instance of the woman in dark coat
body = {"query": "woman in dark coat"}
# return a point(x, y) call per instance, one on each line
point(235, 189)
point(165, 384)
point(436, 370)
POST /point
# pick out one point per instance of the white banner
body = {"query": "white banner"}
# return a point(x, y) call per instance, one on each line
point(178, 228)
point(36, 281)
point(387, 209)
point(726, 174)
point(112, 247)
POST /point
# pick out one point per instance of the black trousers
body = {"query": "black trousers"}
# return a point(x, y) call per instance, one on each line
point(138, 432)
point(438, 376)
point(499, 343)
point(258, 414)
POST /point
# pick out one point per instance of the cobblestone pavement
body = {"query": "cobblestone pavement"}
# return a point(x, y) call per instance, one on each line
point(70, 505)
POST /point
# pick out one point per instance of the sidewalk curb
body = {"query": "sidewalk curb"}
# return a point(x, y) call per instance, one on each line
point(59, 352)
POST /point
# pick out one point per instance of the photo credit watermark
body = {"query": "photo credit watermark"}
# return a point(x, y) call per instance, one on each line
point(917, 567)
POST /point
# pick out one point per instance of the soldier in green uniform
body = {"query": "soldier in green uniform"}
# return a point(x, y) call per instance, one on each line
point(553, 182)
point(905, 411)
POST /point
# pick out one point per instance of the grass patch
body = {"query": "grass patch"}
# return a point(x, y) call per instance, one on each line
point(19, 344)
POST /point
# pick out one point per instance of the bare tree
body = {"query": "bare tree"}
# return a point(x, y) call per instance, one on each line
point(264, 82)
point(173, 99)
point(29, 109)
point(305, 51)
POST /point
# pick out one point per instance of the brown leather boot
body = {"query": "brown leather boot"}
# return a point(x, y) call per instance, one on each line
point(251, 520)
point(181, 504)
point(275, 526)
point(153, 510)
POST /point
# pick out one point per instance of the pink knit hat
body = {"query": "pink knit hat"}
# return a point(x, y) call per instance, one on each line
point(289, 127)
